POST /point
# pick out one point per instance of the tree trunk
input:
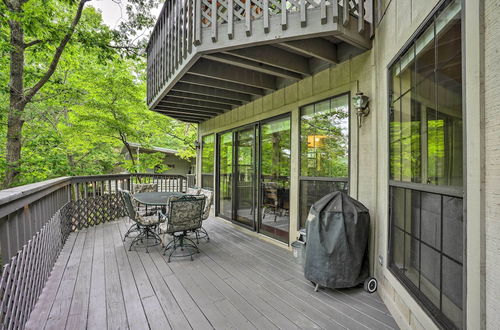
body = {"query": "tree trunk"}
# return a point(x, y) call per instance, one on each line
point(17, 103)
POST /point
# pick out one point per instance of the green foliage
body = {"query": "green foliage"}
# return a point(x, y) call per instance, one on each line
point(92, 105)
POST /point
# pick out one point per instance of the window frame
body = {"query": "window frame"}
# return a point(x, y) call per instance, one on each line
point(349, 149)
point(443, 190)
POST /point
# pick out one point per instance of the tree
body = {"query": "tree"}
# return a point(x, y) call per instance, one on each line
point(36, 34)
point(20, 96)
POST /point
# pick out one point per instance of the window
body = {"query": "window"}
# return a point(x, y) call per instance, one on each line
point(324, 146)
point(207, 161)
point(426, 167)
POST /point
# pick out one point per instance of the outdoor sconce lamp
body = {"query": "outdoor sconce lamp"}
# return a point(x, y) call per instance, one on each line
point(360, 103)
point(197, 144)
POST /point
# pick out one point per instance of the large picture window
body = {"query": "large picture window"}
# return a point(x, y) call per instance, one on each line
point(324, 150)
point(207, 161)
point(426, 167)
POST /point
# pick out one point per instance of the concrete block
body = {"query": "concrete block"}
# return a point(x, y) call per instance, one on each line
point(267, 102)
point(305, 88)
point(278, 98)
point(291, 93)
point(257, 106)
point(321, 81)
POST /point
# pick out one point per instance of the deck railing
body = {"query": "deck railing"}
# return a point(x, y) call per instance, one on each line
point(36, 220)
point(180, 24)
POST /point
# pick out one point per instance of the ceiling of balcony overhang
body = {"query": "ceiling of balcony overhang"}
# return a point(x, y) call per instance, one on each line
point(219, 82)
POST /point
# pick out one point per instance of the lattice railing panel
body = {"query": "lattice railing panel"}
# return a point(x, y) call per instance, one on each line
point(24, 277)
point(93, 211)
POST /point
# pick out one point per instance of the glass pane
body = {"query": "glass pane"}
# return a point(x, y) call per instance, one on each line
point(395, 86)
point(207, 161)
point(412, 216)
point(453, 227)
point(398, 207)
point(411, 268)
point(275, 178)
point(325, 138)
point(226, 172)
point(449, 96)
point(431, 219)
point(452, 291)
point(407, 70)
point(395, 141)
point(312, 191)
point(397, 248)
point(245, 171)
point(430, 273)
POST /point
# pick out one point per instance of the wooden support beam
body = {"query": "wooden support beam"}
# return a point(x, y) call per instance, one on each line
point(226, 85)
point(180, 112)
point(204, 98)
point(254, 66)
point(317, 47)
point(207, 104)
point(210, 91)
point(212, 69)
point(190, 107)
point(276, 57)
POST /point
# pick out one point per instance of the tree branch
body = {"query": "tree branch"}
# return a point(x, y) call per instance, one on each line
point(32, 43)
point(57, 55)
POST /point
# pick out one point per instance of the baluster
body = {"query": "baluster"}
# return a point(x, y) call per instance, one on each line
point(185, 28)
point(284, 14)
point(322, 11)
point(346, 11)
point(190, 27)
point(85, 192)
point(213, 20)
point(230, 26)
point(181, 29)
point(177, 39)
point(335, 8)
point(303, 22)
point(361, 16)
point(265, 15)
point(248, 18)
point(197, 23)
point(94, 188)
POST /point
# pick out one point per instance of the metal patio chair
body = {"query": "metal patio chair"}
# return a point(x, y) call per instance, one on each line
point(202, 232)
point(184, 215)
point(145, 226)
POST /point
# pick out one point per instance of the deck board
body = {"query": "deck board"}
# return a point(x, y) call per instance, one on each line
point(238, 281)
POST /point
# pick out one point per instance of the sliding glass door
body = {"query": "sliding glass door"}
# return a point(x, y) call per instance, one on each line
point(245, 177)
point(254, 177)
point(274, 185)
point(225, 153)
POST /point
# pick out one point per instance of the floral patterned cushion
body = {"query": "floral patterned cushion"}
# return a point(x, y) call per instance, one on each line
point(193, 191)
point(145, 187)
point(184, 213)
point(208, 202)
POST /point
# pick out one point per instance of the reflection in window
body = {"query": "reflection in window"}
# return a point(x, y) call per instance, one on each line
point(225, 174)
point(324, 159)
point(275, 178)
point(426, 148)
point(207, 161)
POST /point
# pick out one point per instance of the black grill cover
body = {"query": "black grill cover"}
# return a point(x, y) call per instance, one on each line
point(338, 229)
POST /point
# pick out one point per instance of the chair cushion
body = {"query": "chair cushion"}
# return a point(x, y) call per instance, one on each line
point(145, 187)
point(208, 202)
point(149, 220)
point(193, 191)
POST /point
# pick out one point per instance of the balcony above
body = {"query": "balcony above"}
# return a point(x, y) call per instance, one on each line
point(207, 57)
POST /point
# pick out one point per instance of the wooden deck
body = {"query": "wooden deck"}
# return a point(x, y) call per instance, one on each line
point(238, 281)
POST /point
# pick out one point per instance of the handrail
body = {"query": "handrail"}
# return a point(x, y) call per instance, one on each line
point(36, 220)
point(179, 28)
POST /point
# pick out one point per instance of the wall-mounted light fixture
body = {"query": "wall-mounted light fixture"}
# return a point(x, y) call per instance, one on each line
point(197, 144)
point(361, 103)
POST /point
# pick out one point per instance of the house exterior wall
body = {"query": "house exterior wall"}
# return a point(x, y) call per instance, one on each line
point(369, 148)
point(492, 161)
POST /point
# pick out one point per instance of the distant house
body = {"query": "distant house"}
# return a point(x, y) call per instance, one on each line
point(176, 165)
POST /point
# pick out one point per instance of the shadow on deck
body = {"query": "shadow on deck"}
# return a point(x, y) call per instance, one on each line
point(238, 281)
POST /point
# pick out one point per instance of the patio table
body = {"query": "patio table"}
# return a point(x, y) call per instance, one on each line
point(156, 198)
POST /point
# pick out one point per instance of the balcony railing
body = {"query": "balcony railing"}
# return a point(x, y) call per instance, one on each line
point(187, 27)
point(36, 220)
